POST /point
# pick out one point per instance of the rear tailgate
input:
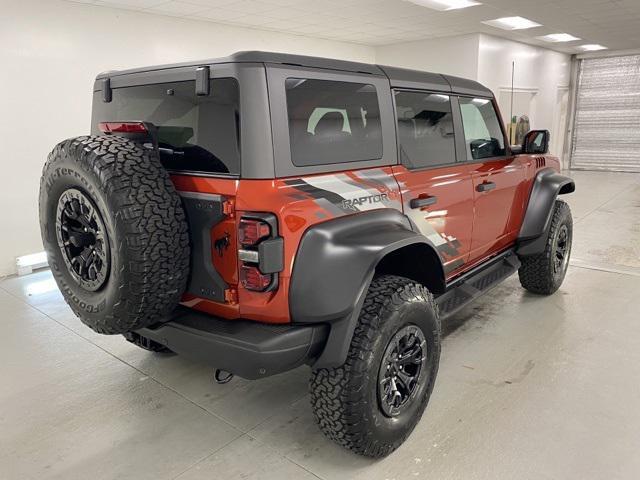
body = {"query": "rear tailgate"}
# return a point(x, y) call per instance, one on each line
point(198, 141)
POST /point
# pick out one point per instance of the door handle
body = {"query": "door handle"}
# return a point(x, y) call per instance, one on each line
point(485, 186)
point(423, 202)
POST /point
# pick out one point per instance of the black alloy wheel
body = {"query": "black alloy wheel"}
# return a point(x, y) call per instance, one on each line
point(82, 239)
point(561, 254)
point(401, 370)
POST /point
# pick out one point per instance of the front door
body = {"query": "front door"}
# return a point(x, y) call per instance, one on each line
point(498, 179)
point(437, 192)
point(495, 184)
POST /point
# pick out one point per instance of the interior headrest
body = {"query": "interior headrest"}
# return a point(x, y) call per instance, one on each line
point(330, 123)
point(446, 125)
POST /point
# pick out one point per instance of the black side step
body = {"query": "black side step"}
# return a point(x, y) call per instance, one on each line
point(471, 285)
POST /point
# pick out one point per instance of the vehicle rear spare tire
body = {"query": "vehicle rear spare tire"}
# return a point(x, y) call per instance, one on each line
point(115, 232)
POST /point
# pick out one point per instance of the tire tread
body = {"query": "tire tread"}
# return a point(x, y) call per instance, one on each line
point(149, 215)
point(337, 393)
point(536, 271)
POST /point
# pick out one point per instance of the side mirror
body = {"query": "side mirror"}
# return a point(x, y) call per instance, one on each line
point(536, 142)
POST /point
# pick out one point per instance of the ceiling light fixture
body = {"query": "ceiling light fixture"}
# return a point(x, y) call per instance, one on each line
point(445, 5)
point(592, 47)
point(512, 23)
point(559, 37)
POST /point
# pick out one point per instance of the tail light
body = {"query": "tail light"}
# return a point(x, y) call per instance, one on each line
point(122, 127)
point(262, 252)
point(252, 279)
point(251, 231)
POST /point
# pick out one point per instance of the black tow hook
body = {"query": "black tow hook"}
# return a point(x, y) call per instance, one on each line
point(222, 376)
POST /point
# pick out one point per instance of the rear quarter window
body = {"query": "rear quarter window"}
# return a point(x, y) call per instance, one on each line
point(195, 133)
point(332, 122)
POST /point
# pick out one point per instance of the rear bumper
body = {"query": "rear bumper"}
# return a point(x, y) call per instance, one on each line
point(245, 348)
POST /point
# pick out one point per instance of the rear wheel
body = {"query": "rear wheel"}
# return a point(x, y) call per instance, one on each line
point(115, 232)
point(543, 273)
point(372, 403)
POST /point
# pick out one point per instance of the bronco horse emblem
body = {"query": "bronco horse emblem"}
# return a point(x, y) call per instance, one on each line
point(222, 244)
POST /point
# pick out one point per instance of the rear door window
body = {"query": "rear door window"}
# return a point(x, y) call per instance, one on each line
point(332, 122)
point(195, 133)
point(425, 129)
point(482, 131)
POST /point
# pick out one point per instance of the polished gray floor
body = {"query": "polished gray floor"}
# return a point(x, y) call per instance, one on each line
point(529, 387)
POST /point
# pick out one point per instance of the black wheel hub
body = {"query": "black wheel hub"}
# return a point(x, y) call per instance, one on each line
point(82, 239)
point(562, 250)
point(403, 363)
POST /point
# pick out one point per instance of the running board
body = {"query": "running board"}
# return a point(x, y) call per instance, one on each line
point(463, 290)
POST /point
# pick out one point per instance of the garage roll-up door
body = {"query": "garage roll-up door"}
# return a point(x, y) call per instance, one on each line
point(606, 132)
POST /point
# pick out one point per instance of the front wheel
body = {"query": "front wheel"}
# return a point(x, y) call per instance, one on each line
point(372, 403)
point(544, 272)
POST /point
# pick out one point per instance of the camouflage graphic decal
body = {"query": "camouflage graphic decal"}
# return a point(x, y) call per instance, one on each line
point(446, 245)
point(326, 199)
point(341, 193)
point(346, 193)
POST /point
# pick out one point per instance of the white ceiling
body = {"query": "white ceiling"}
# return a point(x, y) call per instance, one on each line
point(613, 23)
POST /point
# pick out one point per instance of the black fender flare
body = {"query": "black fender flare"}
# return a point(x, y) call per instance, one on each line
point(334, 265)
point(547, 185)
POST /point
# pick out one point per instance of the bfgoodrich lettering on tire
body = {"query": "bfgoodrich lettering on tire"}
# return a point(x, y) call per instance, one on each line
point(115, 232)
point(373, 402)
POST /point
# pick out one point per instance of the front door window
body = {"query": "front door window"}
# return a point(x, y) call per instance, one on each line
point(483, 135)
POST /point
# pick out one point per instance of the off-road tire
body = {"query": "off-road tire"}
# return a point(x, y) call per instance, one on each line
point(345, 400)
point(145, 229)
point(537, 273)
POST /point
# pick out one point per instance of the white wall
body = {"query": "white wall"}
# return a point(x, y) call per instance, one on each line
point(537, 70)
point(450, 55)
point(50, 52)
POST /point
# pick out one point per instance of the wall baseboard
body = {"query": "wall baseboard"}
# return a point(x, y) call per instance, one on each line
point(26, 264)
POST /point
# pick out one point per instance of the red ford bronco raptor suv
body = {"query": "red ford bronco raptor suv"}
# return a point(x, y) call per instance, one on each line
point(264, 211)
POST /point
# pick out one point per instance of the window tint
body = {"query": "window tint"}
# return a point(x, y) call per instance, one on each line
point(482, 130)
point(197, 133)
point(332, 122)
point(425, 129)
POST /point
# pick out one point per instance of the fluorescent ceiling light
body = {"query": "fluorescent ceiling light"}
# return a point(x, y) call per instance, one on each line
point(559, 37)
point(592, 47)
point(512, 23)
point(444, 5)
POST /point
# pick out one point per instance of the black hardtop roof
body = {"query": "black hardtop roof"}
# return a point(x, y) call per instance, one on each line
point(398, 77)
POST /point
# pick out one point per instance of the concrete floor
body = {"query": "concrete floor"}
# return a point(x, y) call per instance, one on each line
point(529, 387)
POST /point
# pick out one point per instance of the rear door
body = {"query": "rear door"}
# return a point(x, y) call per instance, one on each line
point(437, 191)
point(498, 178)
point(197, 138)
